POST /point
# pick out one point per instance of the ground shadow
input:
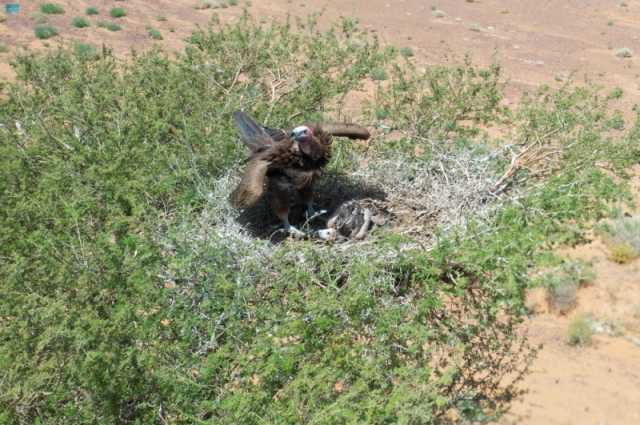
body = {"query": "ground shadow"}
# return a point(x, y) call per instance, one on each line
point(330, 192)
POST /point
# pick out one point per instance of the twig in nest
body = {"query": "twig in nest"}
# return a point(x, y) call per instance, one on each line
point(531, 155)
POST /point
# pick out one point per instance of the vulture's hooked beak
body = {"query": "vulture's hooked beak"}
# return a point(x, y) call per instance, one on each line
point(301, 134)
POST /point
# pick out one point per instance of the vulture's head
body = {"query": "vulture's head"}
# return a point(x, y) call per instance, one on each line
point(310, 140)
point(302, 134)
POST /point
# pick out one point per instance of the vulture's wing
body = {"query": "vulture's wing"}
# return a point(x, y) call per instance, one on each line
point(251, 185)
point(352, 131)
point(275, 133)
point(253, 134)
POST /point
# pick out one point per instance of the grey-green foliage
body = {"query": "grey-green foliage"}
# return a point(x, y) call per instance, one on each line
point(133, 293)
point(625, 231)
point(562, 283)
point(580, 330)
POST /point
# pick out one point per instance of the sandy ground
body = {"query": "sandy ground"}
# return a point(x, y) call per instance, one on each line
point(536, 43)
point(597, 384)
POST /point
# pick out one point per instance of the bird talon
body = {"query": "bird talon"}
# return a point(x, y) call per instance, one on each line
point(312, 213)
point(294, 232)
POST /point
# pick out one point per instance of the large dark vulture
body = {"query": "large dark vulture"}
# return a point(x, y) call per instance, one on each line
point(286, 162)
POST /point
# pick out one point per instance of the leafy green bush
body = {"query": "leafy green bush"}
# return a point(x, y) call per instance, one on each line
point(45, 31)
point(133, 293)
point(580, 332)
point(92, 11)
point(563, 282)
point(622, 253)
point(379, 74)
point(80, 22)
point(85, 51)
point(407, 52)
point(51, 9)
point(117, 12)
point(622, 235)
point(212, 4)
point(155, 34)
point(442, 109)
point(111, 26)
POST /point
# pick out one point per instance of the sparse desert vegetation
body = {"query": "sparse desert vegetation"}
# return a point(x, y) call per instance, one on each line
point(622, 236)
point(44, 32)
point(79, 22)
point(215, 4)
point(562, 284)
point(379, 74)
point(111, 26)
point(117, 12)
point(85, 51)
point(407, 52)
point(580, 332)
point(51, 9)
point(155, 34)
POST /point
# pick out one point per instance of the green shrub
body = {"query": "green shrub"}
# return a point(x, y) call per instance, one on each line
point(622, 236)
point(622, 253)
point(580, 332)
point(212, 4)
point(111, 26)
point(616, 93)
point(407, 52)
point(85, 51)
point(155, 34)
point(80, 22)
point(379, 74)
point(51, 9)
point(117, 12)
point(45, 31)
point(92, 11)
point(563, 282)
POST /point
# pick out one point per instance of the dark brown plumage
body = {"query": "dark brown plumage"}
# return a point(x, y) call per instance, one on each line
point(286, 163)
